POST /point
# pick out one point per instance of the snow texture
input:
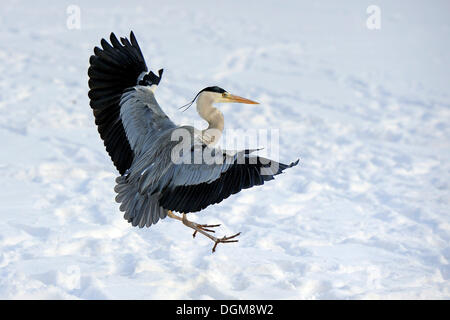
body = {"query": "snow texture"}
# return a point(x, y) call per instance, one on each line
point(365, 215)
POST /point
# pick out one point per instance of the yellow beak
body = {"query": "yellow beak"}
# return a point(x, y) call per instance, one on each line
point(237, 99)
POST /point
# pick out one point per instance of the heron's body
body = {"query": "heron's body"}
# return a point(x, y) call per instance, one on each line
point(138, 136)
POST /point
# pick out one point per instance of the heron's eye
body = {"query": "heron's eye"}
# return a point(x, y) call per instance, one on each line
point(224, 94)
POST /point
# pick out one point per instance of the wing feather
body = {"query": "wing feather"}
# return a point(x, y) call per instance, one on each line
point(215, 182)
point(113, 69)
point(142, 118)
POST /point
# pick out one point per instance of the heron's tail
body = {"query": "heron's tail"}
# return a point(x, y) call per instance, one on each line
point(140, 209)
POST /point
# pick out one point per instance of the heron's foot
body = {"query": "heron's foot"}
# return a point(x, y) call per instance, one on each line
point(225, 240)
point(204, 229)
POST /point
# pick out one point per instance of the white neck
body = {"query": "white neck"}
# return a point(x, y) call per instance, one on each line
point(213, 116)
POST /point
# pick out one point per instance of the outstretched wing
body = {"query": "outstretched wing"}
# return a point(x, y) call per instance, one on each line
point(197, 196)
point(116, 71)
point(190, 187)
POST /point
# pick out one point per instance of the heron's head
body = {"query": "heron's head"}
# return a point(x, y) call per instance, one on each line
point(216, 94)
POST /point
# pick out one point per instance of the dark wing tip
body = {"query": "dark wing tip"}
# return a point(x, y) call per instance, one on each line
point(293, 164)
point(283, 166)
point(114, 41)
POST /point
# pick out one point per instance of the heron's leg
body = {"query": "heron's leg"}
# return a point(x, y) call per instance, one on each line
point(202, 228)
point(172, 215)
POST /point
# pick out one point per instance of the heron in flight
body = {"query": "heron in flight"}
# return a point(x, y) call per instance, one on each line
point(139, 138)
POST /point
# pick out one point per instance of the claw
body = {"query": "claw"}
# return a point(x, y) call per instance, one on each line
point(204, 228)
point(225, 240)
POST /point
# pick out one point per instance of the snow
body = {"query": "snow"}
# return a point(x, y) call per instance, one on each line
point(365, 215)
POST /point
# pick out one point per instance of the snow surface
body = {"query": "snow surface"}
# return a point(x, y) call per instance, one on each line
point(365, 215)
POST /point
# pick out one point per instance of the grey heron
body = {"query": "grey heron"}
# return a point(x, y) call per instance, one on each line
point(138, 137)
